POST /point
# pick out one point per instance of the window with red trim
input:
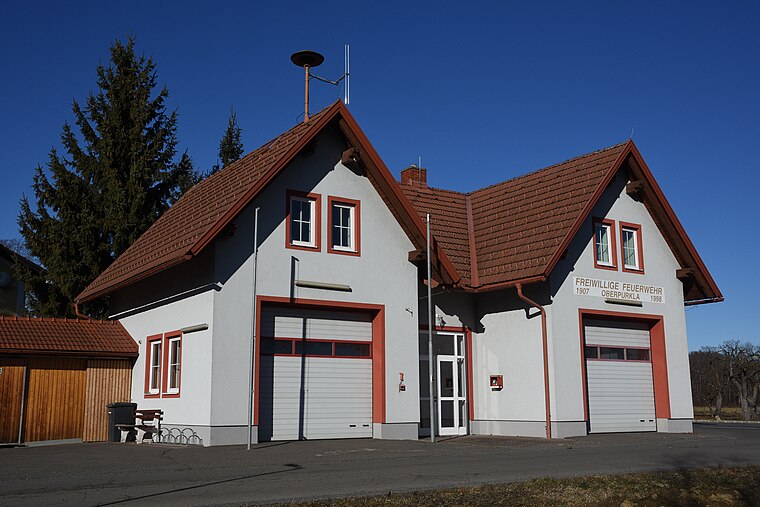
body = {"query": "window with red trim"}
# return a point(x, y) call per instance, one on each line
point(173, 363)
point(163, 365)
point(605, 253)
point(344, 220)
point(631, 248)
point(153, 365)
point(303, 219)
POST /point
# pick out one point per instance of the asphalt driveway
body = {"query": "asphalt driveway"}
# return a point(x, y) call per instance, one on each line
point(113, 474)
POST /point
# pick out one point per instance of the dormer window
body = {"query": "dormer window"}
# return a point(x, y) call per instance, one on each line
point(604, 244)
point(303, 221)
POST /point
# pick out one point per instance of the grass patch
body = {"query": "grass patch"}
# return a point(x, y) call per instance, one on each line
point(726, 413)
point(708, 486)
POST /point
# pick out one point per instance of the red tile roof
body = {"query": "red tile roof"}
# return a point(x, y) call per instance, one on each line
point(518, 224)
point(516, 231)
point(174, 234)
point(196, 218)
point(28, 335)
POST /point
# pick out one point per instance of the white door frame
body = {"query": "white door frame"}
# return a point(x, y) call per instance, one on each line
point(458, 358)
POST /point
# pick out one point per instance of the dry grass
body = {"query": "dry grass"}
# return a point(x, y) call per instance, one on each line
point(710, 486)
point(726, 413)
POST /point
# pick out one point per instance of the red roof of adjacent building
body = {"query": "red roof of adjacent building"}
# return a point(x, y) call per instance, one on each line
point(30, 335)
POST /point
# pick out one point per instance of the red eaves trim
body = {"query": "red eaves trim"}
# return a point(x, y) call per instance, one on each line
point(393, 186)
point(474, 276)
point(677, 224)
point(587, 209)
point(507, 285)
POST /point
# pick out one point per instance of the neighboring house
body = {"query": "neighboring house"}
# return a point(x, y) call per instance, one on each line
point(548, 320)
point(12, 295)
point(57, 375)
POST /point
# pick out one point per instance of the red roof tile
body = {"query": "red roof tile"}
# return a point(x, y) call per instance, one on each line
point(518, 224)
point(28, 335)
point(172, 236)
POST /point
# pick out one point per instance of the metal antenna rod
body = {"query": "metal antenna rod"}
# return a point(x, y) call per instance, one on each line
point(347, 73)
point(306, 95)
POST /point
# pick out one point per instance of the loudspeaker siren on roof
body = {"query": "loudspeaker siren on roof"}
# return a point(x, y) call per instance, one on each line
point(308, 59)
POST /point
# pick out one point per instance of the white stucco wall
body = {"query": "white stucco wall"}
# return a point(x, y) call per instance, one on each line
point(193, 407)
point(381, 275)
point(660, 268)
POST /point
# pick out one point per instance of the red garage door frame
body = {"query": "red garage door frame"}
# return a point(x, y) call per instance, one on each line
point(659, 358)
point(378, 343)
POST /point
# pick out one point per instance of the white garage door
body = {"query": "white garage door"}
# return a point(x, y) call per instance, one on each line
point(619, 377)
point(315, 375)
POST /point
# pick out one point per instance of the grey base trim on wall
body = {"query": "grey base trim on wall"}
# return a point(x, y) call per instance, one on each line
point(675, 426)
point(509, 428)
point(191, 434)
point(567, 429)
point(395, 431)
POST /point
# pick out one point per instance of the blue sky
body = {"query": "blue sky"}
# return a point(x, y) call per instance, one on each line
point(481, 91)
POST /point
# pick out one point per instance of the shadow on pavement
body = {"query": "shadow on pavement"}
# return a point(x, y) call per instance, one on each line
point(291, 467)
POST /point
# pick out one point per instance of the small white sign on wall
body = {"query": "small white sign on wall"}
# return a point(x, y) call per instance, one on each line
point(612, 289)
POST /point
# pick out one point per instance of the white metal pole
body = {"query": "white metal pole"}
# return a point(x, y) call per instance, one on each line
point(253, 326)
point(430, 337)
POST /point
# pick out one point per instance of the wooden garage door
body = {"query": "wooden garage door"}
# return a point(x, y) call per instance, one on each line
point(11, 396)
point(619, 376)
point(55, 399)
point(108, 381)
point(315, 378)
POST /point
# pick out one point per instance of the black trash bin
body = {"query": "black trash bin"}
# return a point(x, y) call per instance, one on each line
point(119, 413)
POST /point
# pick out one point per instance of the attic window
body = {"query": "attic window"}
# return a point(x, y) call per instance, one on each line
point(302, 222)
point(604, 244)
point(630, 243)
point(344, 225)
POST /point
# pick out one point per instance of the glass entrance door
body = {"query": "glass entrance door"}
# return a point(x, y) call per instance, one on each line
point(451, 384)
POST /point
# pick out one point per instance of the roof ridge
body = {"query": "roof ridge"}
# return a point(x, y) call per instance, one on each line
point(571, 159)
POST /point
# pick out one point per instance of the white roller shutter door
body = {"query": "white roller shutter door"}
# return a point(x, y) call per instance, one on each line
point(620, 393)
point(315, 397)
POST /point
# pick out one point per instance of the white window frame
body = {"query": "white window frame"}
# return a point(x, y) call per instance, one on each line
point(351, 227)
point(312, 243)
point(610, 246)
point(156, 351)
point(635, 233)
point(173, 389)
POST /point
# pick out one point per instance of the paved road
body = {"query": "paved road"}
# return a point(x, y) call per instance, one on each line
point(115, 474)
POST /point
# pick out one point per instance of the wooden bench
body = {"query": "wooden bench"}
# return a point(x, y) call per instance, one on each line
point(147, 424)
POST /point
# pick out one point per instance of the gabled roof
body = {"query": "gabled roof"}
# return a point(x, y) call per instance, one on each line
point(28, 335)
point(517, 231)
point(192, 223)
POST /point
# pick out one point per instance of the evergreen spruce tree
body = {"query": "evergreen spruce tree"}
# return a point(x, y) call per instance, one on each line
point(230, 146)
point(117, 176)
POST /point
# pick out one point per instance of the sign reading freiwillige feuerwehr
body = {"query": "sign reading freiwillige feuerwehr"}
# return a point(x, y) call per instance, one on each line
point(612, 289)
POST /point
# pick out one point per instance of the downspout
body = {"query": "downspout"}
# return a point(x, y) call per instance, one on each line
point(546, 356)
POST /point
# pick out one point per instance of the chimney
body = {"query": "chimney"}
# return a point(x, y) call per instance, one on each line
point(414, 176)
